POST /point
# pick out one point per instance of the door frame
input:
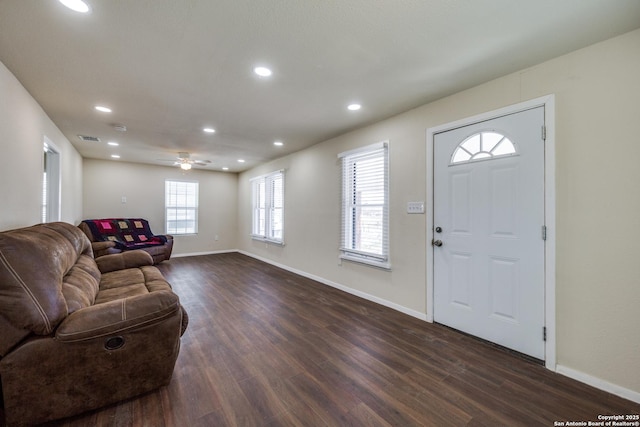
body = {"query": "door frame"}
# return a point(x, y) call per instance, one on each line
point(548, 102)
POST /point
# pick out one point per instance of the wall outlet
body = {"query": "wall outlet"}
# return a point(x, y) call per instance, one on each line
point(415, 207)
point(124, 199)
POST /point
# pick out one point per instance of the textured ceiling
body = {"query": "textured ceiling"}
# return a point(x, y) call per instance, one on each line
point(168, 68)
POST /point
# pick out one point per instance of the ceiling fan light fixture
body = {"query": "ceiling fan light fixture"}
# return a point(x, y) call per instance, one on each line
point(185, 166)
point(209, 130)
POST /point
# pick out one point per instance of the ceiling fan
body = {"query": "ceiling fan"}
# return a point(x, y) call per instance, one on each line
point(185, 162)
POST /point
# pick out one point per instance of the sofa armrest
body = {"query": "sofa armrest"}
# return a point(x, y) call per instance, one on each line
point(103, 248)
point(118, 316)
point(128, 259)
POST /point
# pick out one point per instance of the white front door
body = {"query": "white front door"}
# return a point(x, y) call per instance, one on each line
point(488, 230)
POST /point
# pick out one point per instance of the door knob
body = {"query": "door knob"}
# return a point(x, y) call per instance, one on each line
point(437, 243)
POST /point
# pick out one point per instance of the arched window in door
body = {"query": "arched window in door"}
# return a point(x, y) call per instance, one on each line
point(483, 146)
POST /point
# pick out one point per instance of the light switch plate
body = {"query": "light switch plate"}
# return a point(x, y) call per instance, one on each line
point(415, 207)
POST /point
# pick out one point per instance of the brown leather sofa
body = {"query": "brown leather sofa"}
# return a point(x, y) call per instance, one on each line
point(77, 333)
point(115, 235)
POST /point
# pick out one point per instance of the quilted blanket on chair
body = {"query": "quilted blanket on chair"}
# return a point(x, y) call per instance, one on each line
point(127, 233)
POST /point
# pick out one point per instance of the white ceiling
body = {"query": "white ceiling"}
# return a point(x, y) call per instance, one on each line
point(168, 68)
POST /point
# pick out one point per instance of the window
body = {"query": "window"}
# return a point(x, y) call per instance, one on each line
point(50, 206)
point(268, 207)
point(482, 146)
point(365, 205)
point(181, 206)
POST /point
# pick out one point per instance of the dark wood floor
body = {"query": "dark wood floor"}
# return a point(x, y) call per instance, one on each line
point(269, 348)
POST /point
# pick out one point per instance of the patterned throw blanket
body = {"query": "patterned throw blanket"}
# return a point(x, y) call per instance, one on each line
point(127, 233)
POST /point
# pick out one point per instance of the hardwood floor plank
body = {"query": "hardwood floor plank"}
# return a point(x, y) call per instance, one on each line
point(323, 403)
point(363, 415)
point(266, 347)
point(300, 415)
point(263, 398)
point(386, 392)
point(492, 403)
point(436, 389)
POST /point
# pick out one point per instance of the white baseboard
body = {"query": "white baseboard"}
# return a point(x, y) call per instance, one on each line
point(373, 298)
point(601, 384)
point(226, 251)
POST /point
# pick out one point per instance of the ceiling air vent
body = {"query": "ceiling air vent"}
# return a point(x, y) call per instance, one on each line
point(89, 138)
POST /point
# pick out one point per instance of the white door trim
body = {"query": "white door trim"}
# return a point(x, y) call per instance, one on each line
point(549, 210)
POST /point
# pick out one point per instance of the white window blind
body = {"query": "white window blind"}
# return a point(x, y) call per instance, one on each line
point(268, 207)
point(181, 207)
point(365, 205)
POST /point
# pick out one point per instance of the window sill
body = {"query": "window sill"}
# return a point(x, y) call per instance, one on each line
point(266, 240)
point(383, 265)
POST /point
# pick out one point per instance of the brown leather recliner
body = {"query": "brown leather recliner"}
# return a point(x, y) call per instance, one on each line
point(77, 333)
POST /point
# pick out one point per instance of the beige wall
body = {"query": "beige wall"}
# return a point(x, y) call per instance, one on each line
point(106, 182)
point(23, 126)
point(597, 93)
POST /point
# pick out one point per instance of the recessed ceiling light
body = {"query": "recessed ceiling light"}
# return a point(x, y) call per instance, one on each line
point(103, 109)
point(262, 71)
point(354, 107)
point(225, 168)
point(113, 143)
point(76, 5)
point(240, 160)
point(209, 130)
point(278, 143)
point(115, 156)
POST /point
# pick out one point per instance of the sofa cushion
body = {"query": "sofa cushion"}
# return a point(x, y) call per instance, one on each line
point(123, 260)
point(130, 282)
point(81, 284)
point(121, 284)
point(33, 262)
